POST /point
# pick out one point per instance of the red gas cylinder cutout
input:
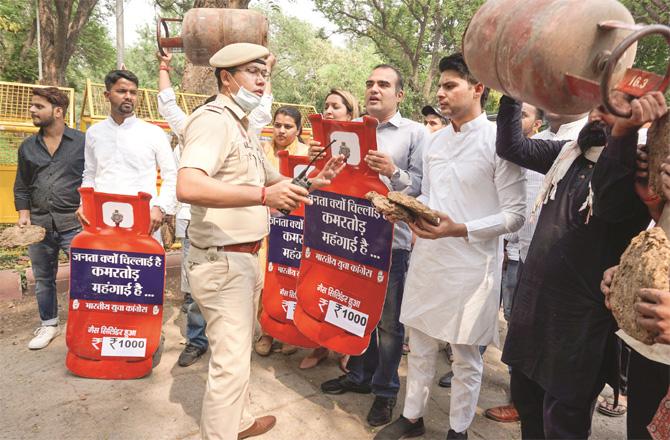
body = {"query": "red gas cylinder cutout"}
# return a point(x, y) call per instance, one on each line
point(117, 280)
point(283, 266)
point(346, 251)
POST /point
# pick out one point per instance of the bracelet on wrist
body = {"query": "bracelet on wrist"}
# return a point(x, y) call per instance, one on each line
point(165, 67)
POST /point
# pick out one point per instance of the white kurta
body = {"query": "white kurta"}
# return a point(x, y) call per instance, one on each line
point(123, 159)
point(452, 291)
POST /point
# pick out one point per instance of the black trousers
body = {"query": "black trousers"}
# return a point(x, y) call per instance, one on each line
point(544, 416)
point(647, 385)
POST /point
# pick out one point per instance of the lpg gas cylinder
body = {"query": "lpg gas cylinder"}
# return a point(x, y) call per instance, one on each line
point(206, 30)
point(117, 278)
point(284, 250)
point(548, 53)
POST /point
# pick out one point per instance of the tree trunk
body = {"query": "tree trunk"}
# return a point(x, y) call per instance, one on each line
point(200, 79)
point(60, 27)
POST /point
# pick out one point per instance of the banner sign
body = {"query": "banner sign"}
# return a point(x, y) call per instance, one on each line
point(279, 297)
point(117, 281)
point(347, 246)
point(127, 277)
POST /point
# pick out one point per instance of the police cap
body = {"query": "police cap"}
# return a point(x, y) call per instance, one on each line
point(237, 54)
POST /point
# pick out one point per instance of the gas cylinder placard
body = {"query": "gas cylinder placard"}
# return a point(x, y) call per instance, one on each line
point(117, 277)
point(279, 298)
point(126, 277)
point(284, 250)
point(347, 245)
point(116, 285)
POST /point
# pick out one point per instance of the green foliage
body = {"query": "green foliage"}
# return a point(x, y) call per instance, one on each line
point(309, 65)
point(141, 60)
point(18, 60)
point(410, 34)
point(652, 52)
point(95, 54)
point(492, 103)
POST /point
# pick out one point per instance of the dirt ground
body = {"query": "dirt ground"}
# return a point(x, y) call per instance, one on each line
point(40, 399)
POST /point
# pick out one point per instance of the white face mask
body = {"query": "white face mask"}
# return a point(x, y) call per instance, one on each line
point(245, 99)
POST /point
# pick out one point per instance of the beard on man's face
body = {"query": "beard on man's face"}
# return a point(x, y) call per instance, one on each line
point(594, 134)
point(43, 122)
point(126, 108)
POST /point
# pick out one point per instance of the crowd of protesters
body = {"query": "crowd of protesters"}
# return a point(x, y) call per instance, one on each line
point(530, 221)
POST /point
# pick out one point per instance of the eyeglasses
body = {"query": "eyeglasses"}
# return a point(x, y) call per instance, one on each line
point(255, 71)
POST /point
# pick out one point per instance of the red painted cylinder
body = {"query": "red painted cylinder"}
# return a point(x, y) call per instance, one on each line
point(206, 30)
point(117, 279)
point(533, 50)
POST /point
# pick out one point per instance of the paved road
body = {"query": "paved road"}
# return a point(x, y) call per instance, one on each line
point(40, 399)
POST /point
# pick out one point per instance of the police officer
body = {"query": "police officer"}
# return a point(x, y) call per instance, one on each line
point(230, 186)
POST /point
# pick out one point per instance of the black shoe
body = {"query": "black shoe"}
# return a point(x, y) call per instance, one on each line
point(445, 381)
point(342, 385)
point(456, 435)
point(190, 355)
point(381, 411)
point(402, 428)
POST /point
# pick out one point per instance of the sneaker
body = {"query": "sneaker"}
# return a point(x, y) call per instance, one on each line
point(381, 411)
point(402, 428)
point(190, 355)
point(445, 381)
point(456, 435)
point(342, 384)
point(43, 335)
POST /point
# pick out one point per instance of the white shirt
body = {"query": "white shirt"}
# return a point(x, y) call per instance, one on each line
point(175, 116)
point(566, 132)
point(176, 119)
point(452, 291)
point(403, 140)
point(123, 159)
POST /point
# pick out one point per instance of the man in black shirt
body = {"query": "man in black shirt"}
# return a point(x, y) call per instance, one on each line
point(561, 341)
point(50, 167)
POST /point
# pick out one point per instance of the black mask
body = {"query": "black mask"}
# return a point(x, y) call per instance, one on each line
point(594, 134)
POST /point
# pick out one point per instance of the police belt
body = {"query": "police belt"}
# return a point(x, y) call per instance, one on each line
point(247, 248)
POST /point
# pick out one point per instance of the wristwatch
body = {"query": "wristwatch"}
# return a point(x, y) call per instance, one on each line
point(396, 174)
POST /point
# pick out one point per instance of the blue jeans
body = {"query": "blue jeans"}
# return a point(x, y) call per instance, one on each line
point(509, 280)
point(44, 259)
point(378, 366)
point(195, 326)
point(195, 322)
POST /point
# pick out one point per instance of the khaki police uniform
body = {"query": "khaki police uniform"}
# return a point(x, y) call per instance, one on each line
point(223, 261)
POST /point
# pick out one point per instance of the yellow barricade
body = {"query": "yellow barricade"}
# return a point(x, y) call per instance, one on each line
point(16, 124)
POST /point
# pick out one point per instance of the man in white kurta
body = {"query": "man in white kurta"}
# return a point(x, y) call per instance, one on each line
point(452, 291)
point(123, 152)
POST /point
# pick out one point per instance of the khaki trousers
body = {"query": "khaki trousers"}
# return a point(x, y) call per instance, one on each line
point(223, 285)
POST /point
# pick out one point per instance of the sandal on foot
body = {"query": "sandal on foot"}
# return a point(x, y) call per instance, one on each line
point(263, 346)
point(288, 349)
point(342, 362)
point(606, 407)
point(314, 358)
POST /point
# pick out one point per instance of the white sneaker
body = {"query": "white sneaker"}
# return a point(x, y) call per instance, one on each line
point(43, 335)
